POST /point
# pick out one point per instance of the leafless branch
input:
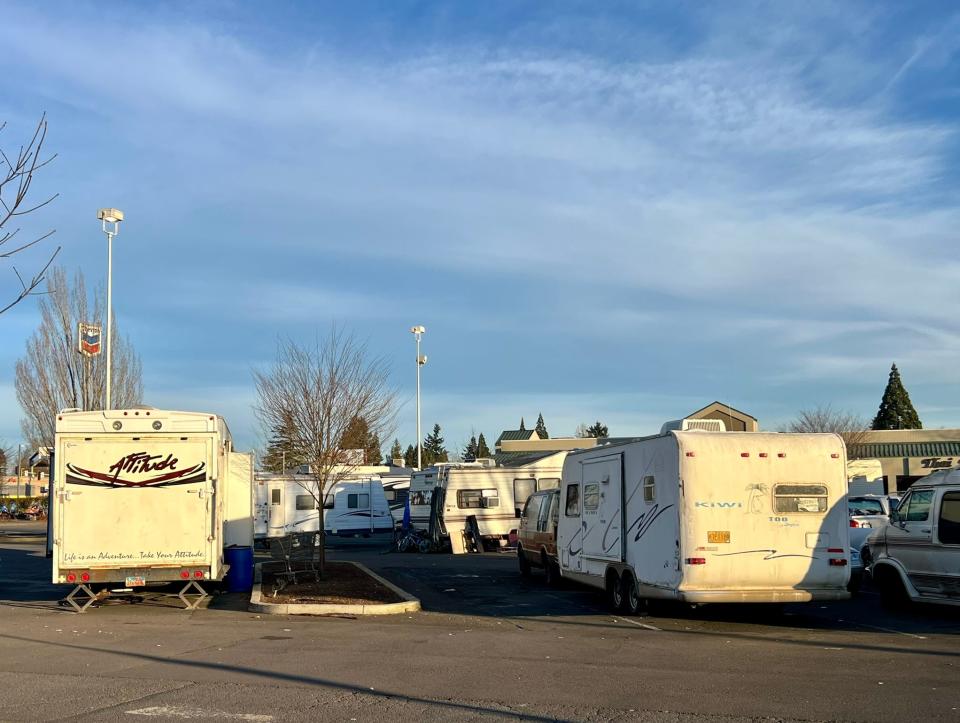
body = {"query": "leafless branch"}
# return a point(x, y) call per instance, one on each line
point(852, 428)
point(16, 177)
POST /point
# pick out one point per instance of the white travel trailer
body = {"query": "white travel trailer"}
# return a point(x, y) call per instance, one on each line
point(495, 495)
point(285, 504)
point(144, 496)
point(705, 517)
point(396, 488)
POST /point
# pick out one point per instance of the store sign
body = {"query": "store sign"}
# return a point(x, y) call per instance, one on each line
point(937, 462)
point(89, 339)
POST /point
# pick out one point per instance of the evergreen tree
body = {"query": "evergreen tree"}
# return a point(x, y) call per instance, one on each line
point(410, 456)
point(470, 451)
point(542, 428)
point(523, 427)
point(396, 452)
point(598, 429)
point(281, 451)
point(483, 450)
point(433, 449)
point(896, 411)
point(357, 436)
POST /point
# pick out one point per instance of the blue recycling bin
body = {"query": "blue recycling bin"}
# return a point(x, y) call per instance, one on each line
point(240, 560)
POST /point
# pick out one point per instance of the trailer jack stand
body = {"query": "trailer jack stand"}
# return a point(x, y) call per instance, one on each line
point(200, 593)
point(90, 599)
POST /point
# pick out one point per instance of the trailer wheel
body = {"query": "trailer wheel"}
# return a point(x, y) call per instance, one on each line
point(614, 591)
point(632, 595)
point(523, 562)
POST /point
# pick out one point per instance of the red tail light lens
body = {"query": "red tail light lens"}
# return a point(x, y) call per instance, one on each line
point(198, 574)
point(71, 577)
point(185, 574)
point(696, 561)
point(85, 577)
point(854, 523)
point(838, 562)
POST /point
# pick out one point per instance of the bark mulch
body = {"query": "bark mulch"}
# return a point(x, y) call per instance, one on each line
point(341, 584)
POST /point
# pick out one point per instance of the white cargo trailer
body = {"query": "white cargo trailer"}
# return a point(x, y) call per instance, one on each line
point(144, 496)
point(704, 517)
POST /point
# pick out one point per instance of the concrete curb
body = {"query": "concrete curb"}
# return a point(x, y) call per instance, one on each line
point(258, 603)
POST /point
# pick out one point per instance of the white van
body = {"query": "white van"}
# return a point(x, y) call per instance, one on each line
point(917, 556)
point(706, 517)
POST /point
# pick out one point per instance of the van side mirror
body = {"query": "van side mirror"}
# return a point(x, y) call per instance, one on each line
point(895, 518)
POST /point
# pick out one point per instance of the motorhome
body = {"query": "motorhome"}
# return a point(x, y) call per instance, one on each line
point(288, 503)
point(143, 496)
point(703, 517)
point(495, 495)
point(396, 488)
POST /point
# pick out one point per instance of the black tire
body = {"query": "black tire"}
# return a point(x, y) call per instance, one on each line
point(893, 595)
point(550, 570)
point(631, 593)
point(523, 562)
point(615, 596)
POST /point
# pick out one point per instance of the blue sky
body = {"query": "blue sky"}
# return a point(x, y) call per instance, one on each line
point(610, 210)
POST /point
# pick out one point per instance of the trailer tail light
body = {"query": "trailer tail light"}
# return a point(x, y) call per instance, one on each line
point(834, 455)
point(71, 577)
point(744, 454)
point(838, 562)
point(781, 455)
point(198, 574)
point(763, 454)
point(185, 574)
point(84, 577)
point(696, 561)
point(691, 454)
point(834, 549)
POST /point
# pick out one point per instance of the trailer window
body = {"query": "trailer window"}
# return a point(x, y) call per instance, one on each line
point(649, 489)
point(800, 498)
point(949, 523)
point(306, 502)
point(328, 501)
point(572, 508)
point(522, 489)
point(469, 499)
point(390, 495)
point(420, 497)
point(359, 501)
point(591, 495)
point(550, 483)
point(491, 498)
point(275, 496)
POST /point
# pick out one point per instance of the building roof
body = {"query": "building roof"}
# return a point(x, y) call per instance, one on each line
point(722, 407)
point(905, 449)
point(519, 459)
point(522, 434)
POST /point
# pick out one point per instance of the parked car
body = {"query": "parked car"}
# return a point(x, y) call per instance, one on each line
point(917, 556)
point(537, 534)
point(867, 513)
point(856, 571)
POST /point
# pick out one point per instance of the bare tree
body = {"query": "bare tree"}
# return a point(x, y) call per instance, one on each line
point(852, 428)
point(52, 375)
point(317, 391)
point(16, 176)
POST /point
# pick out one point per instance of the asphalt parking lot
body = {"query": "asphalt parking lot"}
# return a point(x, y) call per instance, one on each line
point(487, 645)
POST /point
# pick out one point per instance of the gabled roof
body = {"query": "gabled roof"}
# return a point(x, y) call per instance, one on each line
point(723, 407)
point(521, 434)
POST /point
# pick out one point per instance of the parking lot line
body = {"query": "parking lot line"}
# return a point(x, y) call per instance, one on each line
point(639, 624)
point(891, 630)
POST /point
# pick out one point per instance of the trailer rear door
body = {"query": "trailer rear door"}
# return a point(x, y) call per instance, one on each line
point(135, 502)
point(601, 509)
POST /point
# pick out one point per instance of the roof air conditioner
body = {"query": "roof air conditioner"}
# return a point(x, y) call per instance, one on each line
point(688, 425)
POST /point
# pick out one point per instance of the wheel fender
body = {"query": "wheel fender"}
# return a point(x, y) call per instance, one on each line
point(896, 568)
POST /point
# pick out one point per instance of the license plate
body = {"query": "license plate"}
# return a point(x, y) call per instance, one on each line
point(135, 581)
point(718, 536)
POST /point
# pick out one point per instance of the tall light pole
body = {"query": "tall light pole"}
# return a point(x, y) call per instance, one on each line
point(419, 331)
point(110, 219)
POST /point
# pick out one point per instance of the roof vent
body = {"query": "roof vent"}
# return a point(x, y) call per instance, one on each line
point(688, 425)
